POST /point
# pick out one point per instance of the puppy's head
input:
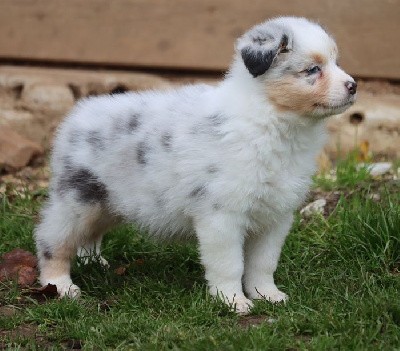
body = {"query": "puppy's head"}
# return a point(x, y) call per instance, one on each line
point(295, 62)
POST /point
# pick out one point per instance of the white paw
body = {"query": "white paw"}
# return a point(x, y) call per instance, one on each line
point(65, 287)
point(239, 304)
point(103, 262)
point(71, 291)
point(273, 295)
point(276, 296)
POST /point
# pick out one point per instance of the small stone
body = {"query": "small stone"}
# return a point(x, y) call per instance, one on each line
point(14, 116)
point(374, 197)
point(315, 207)
point(47, 96)
point(15, 150)
point(379, 168)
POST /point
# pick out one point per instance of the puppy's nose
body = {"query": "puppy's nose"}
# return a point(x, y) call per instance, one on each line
point(351, 87)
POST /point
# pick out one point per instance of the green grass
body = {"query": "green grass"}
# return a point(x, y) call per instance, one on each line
point(347, 174)
point(342, 274)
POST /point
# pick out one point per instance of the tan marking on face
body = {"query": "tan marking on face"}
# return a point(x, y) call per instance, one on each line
point(292, 94)
point(319, 59)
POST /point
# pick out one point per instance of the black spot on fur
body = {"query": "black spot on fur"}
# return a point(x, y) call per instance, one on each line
point(141, 152)
point(47, 254)
point(166, 141)
point(94, 138)
point(133, 123)
point(198, 191)
point(44, 249)
point(212, 169)
point(88, 186)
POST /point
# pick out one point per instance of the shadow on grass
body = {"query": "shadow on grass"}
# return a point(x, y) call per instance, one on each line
point(147, 267)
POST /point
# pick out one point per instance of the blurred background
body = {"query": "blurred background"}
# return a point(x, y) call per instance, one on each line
point(54, 52)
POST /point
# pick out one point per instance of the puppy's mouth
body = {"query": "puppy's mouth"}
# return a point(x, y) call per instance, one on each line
point(335, 107)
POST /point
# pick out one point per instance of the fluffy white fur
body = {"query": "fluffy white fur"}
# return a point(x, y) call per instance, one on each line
point(227, 163)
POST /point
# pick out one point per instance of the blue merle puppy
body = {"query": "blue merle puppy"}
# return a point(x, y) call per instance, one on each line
point(227, 164)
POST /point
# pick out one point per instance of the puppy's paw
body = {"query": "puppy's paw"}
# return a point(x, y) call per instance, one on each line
point(276, 296)
point(272, 294)
point(71, 291)
point(241, 305)
point(103, 262)
point(65, 287)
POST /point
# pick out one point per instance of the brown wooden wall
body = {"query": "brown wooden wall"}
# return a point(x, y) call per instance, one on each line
point(189, 34)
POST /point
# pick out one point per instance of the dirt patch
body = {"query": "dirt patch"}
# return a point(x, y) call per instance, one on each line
point(8, 311)
point(21, 333)
point(73, 344)
point(246, 322)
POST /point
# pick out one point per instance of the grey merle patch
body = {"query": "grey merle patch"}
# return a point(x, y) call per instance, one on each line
point(217, 119)
point(45, 249)
point(88, 186)
point(216, 206)
point(134, 122)
point(47, 254)
point(166, 141)
point(198, 191)
point(95, 139)
point(141, 153)
point(211, 169)
point(75, 136)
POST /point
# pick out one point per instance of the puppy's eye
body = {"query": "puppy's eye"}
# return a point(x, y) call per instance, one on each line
point(313, 70)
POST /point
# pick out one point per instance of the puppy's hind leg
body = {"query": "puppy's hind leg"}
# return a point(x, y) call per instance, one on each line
point(91, 250)
point(66, 225)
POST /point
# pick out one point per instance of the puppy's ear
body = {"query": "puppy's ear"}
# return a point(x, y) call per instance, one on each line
point(259, 54)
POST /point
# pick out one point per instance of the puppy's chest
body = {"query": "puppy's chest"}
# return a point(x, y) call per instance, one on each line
point(280, 182)
point(280, 191)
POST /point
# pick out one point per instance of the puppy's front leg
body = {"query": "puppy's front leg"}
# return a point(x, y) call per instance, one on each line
point(262, 252)
point(221, 240)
